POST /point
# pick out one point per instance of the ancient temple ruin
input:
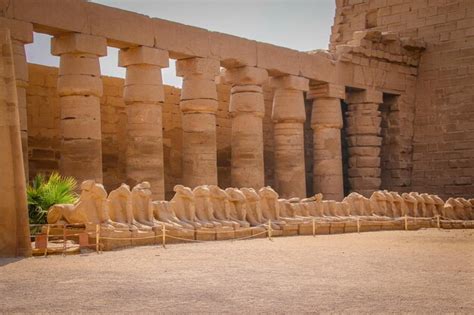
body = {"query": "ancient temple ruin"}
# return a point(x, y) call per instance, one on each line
point(388, 106)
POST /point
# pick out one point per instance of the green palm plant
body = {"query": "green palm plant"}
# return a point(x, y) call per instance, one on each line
point(44, 192)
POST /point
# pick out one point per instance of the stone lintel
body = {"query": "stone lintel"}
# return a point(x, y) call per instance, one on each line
point(200, 66)
point(143, 55)
point(20, 31)
point(78, 43)
point(326, 90)
point(246, 75)
point(364, 96)
point(290, 82)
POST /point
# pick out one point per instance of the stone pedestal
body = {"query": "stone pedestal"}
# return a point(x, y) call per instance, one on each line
point(80, 89)
point(198, 106)
point(247, 109)
point(14, 229)
point(364, 140)
point(326, 122)
point(289, 115)
point(144, 96)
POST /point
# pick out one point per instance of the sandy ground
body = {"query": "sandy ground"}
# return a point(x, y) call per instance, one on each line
point(415, 271)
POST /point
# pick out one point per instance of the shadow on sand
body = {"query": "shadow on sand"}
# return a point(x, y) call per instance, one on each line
point(10, 260)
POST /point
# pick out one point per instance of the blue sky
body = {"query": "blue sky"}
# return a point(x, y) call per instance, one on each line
point(298, 24)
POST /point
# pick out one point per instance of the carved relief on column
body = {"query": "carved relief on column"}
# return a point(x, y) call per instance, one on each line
point(80, 89)
point(326, 122)
point(289, 115)
point(247, 109)
point(144, 96)
point(198, 106)
point(364, 140)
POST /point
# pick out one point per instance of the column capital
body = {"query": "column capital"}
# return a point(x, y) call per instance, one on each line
point(19, 30)
point(326, 113)
point(198, 66)
point(291, 82)
point(364, 96)
point(246, 76)
point(288, 106)
point(143, 55)
point(77, 43)
point(326, 90)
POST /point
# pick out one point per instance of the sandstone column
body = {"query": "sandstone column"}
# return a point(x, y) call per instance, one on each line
point(326, 122)
point(21, 34)
point(289, 115)
point(247, 109)
point(80, 89)
point(144, 95)
point(364, 140)
point(199, 105)
point(14, 230)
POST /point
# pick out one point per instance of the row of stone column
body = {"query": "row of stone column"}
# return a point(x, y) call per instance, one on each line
point(80, 89)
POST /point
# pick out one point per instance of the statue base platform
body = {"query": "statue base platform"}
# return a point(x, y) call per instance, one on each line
point(183, 234)
point(370, 226)
point(393, 225)
point(242, 232)
point(259, 232)
point(305, 228)
point(143, 237)
point(225, 233)
point(337, 227)
point(205, 234)
point(290, 229)
point(323, 228)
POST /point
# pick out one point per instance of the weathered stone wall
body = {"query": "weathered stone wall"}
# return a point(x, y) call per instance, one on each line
point(442, 154)
point(44, 130)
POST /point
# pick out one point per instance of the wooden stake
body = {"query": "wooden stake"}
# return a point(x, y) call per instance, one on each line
point(97, 236)
point(47, 240)
point(270, 230)
point(163, 232)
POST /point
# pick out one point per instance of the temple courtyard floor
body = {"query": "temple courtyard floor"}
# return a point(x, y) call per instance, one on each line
point(414, 271)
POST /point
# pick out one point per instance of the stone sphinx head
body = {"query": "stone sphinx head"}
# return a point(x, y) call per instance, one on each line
point(183, 192)
point(318, 197)
point(388, 196)
point(235, 195)
point(238, 208)
point(217, 193)
point(409, 198)
point(87, 185)
point(143, 186)
point(201, 191)
point(378, 196)
point(268, 193)
point(355, 196)
point(124, 189)
point(250, 194)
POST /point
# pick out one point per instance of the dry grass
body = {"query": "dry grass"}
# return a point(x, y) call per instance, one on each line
point(422, 271)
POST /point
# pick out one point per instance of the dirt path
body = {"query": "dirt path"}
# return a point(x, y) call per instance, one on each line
point(422, 271)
